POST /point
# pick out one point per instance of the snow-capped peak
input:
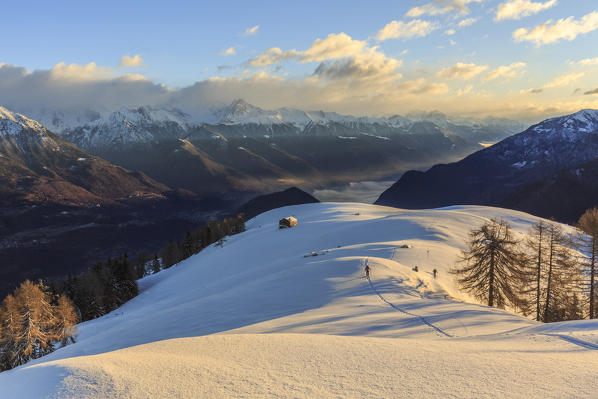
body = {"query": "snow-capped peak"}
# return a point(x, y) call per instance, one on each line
point(570, 126)
point(12, 123)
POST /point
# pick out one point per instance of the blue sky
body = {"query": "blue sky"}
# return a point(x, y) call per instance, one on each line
point(428, 61)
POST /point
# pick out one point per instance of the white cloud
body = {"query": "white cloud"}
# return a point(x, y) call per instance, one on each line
point(335, 45)
point(438, 7)
point(271, 56)
point(406, 30)
point(563, 29)
point(75, 72)
point(228, 51)
point(507, 71)
point(251, 31)
point(128, 61)
point(588, 61)
point(517, 9)
point(340, 57)
point(462, 71)
point(450, 32)
point(467, 22)
point(564, 80)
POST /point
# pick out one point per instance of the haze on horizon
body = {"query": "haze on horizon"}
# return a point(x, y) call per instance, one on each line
point(521, 59)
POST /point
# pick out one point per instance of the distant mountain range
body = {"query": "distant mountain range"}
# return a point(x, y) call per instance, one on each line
point(548, 170)
point(243, 148)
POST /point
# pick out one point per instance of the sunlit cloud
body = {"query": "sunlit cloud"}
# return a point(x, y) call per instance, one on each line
point(564, 80)
point(507, 71)
point(462, 71)
point(128, 61)
point(517, 9)
point(406, 30)
point(76, 72)
point(588, 61)
point(251, 31)
point(467, 22)
point(228, 51)
point(563, 29)
point(439, 7)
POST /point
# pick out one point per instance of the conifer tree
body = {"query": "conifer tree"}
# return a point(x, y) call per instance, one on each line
point(11, 333)
point(588, 223)
point(37, 331)
point(492, 270)
point(562, 277)
point(156, 264)
point(536, 244)
point(66, 318)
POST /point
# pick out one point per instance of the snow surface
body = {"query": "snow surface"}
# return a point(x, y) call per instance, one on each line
point(288, 313)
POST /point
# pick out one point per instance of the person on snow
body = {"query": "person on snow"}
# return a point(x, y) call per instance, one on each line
point(367, 271)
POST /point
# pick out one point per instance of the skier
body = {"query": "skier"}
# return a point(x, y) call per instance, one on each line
point(367, 270)
point(435, 272)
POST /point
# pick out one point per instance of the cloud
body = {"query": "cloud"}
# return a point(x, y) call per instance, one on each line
point(127, 61)
point(438, 7)
point(564, 80)
point(406, 30)
point(374, 65)
point(228, 51)
point(561, 81)
point(72, 86)
point(532, 91)
point(591, 92)
point(467, 22)
point(271, 56)
point(563, 29)
point(251, 31)
point(339, 57)
point(76, 72)
point(517, 9)
point(507, 71)
point(450, 32)
point(588, 61)
point(462, 71)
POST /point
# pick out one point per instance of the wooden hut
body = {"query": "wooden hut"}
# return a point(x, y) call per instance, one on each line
point(287, 222)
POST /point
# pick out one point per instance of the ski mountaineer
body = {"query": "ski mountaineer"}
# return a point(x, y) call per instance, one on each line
point(367, 270)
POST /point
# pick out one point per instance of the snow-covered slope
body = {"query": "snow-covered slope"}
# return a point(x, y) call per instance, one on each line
point(19, 131)
point(287, 313)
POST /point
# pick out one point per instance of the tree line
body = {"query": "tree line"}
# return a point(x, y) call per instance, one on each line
point(36, 318)
point(548, 274)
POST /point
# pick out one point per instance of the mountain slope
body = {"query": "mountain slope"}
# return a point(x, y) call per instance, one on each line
point(564, 195)
point(40, 167)
point(288, 313)
point(489, 176)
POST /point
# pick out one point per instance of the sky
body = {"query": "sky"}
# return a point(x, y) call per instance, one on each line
point(522, 59)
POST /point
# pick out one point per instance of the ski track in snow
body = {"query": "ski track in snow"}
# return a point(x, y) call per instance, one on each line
point(438, 330)
point(573, 340)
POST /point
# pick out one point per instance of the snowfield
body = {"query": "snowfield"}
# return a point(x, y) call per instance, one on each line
point(288, 313)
